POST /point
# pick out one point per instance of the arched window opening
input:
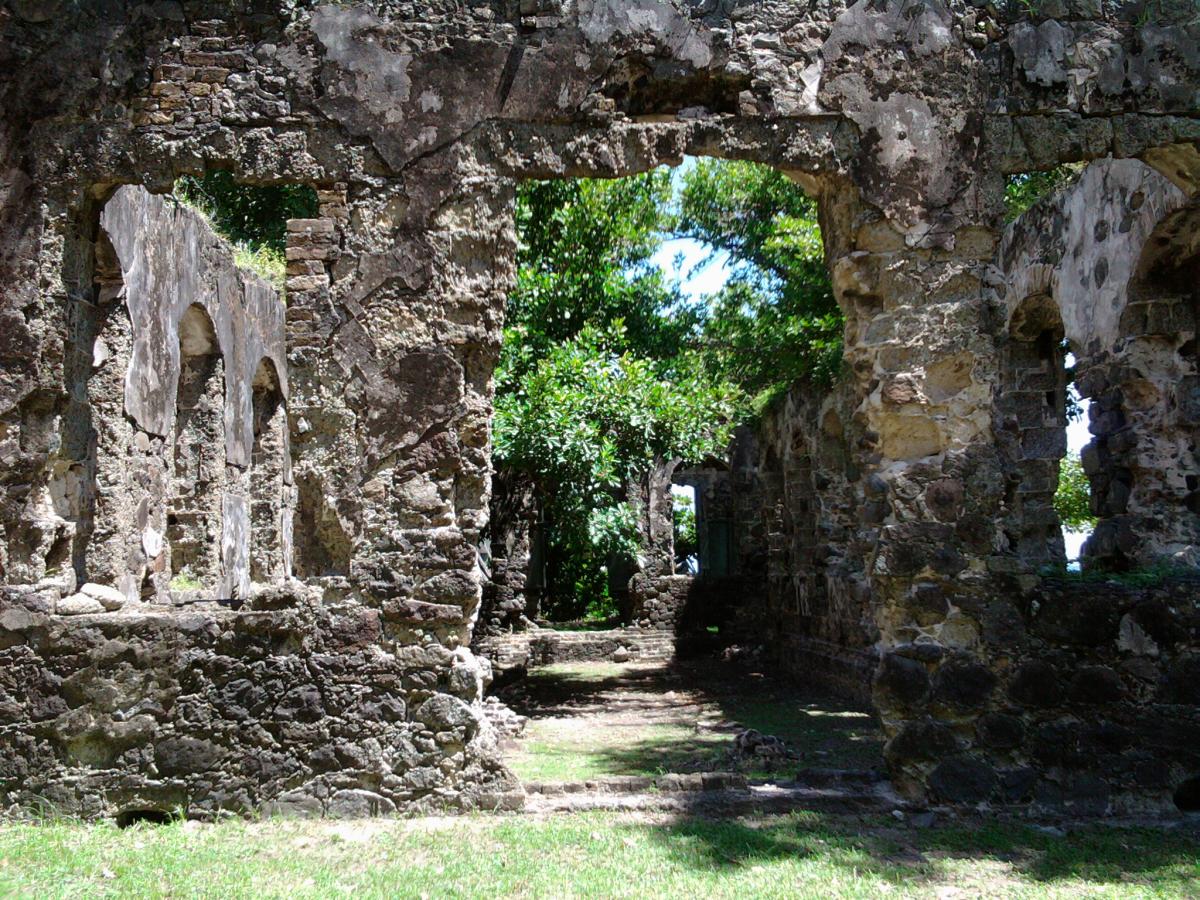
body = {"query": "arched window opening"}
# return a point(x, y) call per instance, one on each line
point(1033, 406)
point(269, 509)
point(1145, 466)
point(198, 462)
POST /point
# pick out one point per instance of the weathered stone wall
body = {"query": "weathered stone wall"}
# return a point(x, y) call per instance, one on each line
point(152, 477)
point(292, 708)
point(796, 499)
point(414, 121)
point(1087, 260)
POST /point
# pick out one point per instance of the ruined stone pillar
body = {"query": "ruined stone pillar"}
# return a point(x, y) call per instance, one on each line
point(395, 304)
point(512, 530)
point(1143, 462)
point(920, 344)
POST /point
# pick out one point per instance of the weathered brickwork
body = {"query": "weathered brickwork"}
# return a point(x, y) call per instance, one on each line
point(414, 121)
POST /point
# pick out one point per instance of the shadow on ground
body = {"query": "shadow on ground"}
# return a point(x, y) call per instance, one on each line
point(592, 719)
point(985, 857)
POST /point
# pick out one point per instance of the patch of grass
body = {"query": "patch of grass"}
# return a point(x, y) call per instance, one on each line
point(589, 720)
point(552, 752)
point(582, 673)
point(827, 734)
point(1148, 576)
point(185, 581)
point(590, 855)
point(266, 262)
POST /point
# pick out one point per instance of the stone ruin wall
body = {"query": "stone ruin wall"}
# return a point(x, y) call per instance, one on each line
point(796, 498)
point(1085, 701)
point(351, 689)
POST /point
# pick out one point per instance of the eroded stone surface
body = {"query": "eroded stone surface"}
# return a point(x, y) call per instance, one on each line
point(413, 121)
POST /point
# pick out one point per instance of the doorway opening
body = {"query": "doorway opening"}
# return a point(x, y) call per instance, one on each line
point(652, 316)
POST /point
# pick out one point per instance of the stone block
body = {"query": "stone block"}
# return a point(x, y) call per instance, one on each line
point(109, 597)
point(1036, 683)
point(963, 779)
point(79, 605)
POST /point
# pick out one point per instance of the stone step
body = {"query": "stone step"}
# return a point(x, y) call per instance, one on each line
point(730, 800)
point(637, 784)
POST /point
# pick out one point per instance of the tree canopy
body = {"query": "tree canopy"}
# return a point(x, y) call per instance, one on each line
point(1073, 498)
point(607, 366)
point(775, 320)
point(587, 419)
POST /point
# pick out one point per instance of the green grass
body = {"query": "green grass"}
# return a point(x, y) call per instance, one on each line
point(185, 581)
point(589, 855)
point(1148, 576)
point(267, 262)
point(548, 754)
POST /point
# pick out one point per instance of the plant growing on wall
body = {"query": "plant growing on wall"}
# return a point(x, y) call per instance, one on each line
point(251, 217)
point(1025, 189)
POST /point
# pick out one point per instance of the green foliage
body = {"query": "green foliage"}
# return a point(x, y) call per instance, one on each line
point(251, 215)
point(776, 319)
point(605, 366)
point(252, 218)
point(1073, 498)
point(584, 259)
point(683, 514)
point(588, 418)
point(185, 581)
point(1024, 190)
point(265, 261)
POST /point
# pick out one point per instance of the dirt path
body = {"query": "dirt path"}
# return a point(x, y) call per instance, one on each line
point(590, 720)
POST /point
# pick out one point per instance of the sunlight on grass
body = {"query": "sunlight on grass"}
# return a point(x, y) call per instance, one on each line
point(557, 752)
point(593, 855)
point(265, 262)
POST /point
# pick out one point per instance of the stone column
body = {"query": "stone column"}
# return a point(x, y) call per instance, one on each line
point(506, 594)
point(1143, 464)
point(394, 325)
point(920, 342)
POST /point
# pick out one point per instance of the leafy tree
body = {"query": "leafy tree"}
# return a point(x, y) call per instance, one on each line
point(585, 259)
point(588, 418)
point(1073, 498)
point(253, 215)
point(776, 319)
point(1025, 189)
point(605, 367)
